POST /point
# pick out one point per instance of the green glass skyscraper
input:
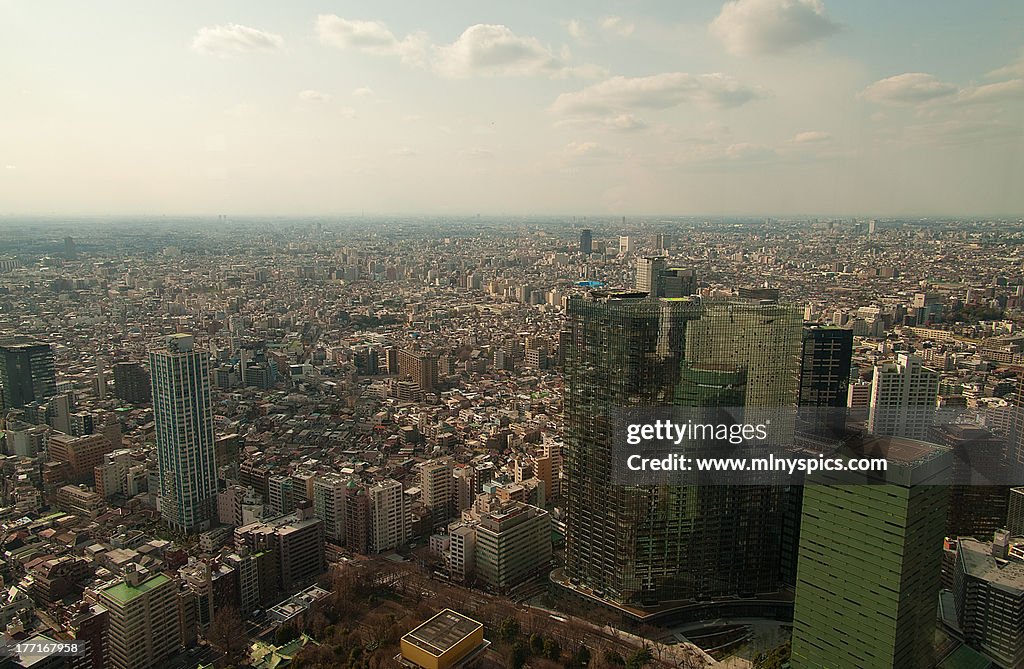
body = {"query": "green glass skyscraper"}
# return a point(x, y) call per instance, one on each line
point(868, 576)
point(650, 544)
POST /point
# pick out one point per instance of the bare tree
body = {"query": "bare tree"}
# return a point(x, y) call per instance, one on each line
point(228, 634)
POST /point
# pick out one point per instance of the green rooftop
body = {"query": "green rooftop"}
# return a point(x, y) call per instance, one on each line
point(124, 593)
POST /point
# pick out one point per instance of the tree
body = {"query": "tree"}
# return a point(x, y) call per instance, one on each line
point(536, 644)
point(228, 634)
point(640, 658)
point(508, 629)
point(518, 655)
point(552, 650)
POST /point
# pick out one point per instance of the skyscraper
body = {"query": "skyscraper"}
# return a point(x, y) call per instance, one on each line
point(183, 413)
point(868, 577)
point(586, 241)
point(644, 545)
point(648, 270)
point(825, 360)
point(26, 374)
point(902, 398)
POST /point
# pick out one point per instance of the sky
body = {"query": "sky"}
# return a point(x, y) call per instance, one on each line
point(458, 107)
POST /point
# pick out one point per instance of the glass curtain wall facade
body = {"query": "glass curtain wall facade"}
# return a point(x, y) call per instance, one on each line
point(649, 544)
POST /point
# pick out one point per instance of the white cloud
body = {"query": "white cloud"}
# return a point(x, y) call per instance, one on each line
point(618, 25)
point(751, 27)
point(659, 91)
point(370, 36)
point(481, 49)
point(998, 92)
point(1014, 69)
point(309, 95)
point(576, 30)
point(10, 167)
point(232, 39)
point(811, 137)
point(907, 89)
point(404, 152)
point(494, 50)
point(918, 88)
point(363, 92)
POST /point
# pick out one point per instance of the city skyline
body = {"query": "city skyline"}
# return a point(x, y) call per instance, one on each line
point(749, 107)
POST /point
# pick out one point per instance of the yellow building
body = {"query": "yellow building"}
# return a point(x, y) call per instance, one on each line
point(446, 641)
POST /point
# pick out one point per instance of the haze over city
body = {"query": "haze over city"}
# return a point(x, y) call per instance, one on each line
point(751, 107)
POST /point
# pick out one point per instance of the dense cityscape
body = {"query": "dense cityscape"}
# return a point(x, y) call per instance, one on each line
point(368, 442)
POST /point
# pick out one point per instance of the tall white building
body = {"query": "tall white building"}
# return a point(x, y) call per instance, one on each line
point(647, 271)
point(389, 516)
point(903, 397)
point(329, 505)
point(436, 487)
point(183, 414)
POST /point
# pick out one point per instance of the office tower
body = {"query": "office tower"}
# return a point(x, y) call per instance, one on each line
point(329, 505)
point(648, 270)
point(143, 627)
point(869, 571)
point(988, 594)
point(825, 360)
point(660, 242)
point(1015, 513)
point(26, 374)
point(131, 382)
point(825, 366)
point(625, 245)
point(389, 516)
point(419, 367)
point(586, 242)
point(903, 397)
point(183, 413)
point(976, 509)
point(513, 545)
point(437, 490)
point(644, 545)
point(70, 248)
point(675, 282)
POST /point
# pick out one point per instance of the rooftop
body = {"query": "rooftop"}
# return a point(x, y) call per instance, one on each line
point(124, 593)
point(442, 632)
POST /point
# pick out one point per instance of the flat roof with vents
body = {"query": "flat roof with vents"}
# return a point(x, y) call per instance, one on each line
point(447, 639)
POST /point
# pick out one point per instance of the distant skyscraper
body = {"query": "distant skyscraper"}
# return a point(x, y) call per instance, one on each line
point(26, 374)
point(643, 545)
point(660, 242)
point(70, 248)
point(586, 242)
point(625, 244)
point(183, 413)
point(648, 271)
point(903, 398)
point(825, 366)
point(870, 562)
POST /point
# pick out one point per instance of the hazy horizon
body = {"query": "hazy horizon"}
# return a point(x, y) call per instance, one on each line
point(746, 108)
